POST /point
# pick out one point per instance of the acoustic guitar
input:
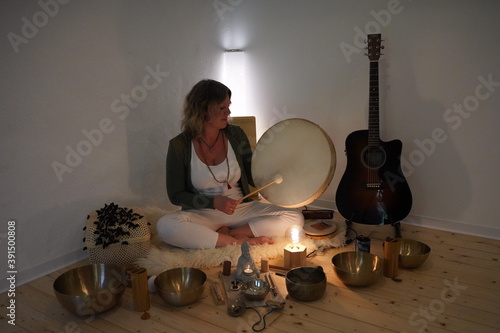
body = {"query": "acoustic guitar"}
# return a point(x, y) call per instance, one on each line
point(373, 189)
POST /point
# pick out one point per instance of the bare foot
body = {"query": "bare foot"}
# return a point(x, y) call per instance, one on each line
point(224, 230)
point(260, 240)
point(224, 240)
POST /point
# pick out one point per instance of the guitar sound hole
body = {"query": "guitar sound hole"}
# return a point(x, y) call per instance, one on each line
point(373, 157)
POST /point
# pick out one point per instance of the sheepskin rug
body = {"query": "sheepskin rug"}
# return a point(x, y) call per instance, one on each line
point(163, 256)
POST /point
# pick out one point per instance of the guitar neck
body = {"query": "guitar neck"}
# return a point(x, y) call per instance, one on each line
point(373, 110)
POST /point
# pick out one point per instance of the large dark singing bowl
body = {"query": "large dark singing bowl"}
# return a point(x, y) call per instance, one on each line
point(181, 286)
point(412, 253)
point(356, 268)
point(306, 283)
point(90, 289)
point(255, 290)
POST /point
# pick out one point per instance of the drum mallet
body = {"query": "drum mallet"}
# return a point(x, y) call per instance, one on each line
point(278, 179)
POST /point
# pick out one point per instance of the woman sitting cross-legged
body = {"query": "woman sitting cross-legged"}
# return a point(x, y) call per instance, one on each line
point(208, 172)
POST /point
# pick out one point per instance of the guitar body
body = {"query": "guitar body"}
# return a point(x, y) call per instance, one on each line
point(373, 189)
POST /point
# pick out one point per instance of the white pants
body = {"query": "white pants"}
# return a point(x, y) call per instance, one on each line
point(197, 228)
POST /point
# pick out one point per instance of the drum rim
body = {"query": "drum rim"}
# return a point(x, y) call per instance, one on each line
point(330, 235)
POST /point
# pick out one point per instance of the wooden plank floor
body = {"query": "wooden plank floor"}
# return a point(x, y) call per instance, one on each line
point(456, 290)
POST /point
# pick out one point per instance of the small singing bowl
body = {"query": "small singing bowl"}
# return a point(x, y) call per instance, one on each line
point(306, 283)
point(180, 286)
point(90, 289)
point(412, 253)
point(255, 290)
point(356, 268)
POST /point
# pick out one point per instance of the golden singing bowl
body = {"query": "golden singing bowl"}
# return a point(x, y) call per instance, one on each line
point(412, 253)
point(180, 286)
point(356, 268)
point(90, 289)
point(255, 290)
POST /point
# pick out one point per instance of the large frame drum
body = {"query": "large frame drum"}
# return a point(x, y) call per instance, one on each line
point(301, 153)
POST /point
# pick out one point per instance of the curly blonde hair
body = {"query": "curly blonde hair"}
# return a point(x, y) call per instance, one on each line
point(198, 103)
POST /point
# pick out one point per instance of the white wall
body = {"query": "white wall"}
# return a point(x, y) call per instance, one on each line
point(68, 72)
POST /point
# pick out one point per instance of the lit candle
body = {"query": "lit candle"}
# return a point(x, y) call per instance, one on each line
point(248, 270)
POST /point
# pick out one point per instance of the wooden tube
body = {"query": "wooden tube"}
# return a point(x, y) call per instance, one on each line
point(391, 255)
point(140, 290)
point(264, 265)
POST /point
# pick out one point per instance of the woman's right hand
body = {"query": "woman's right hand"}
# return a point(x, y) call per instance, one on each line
point(225, 204)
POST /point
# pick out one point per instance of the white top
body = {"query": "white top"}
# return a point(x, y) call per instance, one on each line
point(205, 183)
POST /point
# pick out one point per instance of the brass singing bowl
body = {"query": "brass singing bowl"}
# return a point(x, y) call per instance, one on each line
point(356, 268)
point(90, 289)
point(255, 290)
point(306, 283)
point(412, 253)
point(180, 286)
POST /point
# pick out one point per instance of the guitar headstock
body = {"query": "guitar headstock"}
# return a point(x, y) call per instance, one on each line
point(374, 46)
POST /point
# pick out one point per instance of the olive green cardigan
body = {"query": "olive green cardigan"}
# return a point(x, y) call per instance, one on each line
point(180, 189)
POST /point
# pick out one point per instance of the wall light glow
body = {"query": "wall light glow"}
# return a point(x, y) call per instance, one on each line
point(234, 77)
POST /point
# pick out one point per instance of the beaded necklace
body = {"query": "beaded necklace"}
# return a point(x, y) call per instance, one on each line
point(208, 166)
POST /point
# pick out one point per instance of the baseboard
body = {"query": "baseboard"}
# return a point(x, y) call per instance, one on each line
point(432, 223)
point(43, 269)
point(453, 226)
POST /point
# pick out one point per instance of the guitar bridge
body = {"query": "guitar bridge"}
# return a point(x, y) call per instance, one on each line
point(374, 186)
